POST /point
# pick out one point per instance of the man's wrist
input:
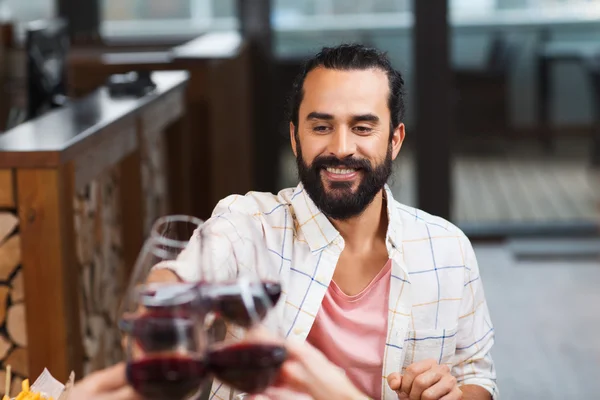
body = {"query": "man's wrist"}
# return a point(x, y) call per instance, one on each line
point(475, 392)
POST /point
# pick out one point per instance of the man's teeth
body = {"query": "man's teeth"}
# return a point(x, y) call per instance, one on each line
point(340, 171)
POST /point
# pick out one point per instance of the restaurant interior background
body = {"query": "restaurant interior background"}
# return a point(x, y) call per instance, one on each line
point(503, 138)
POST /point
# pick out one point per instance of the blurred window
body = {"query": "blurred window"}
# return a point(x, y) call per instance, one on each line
point(26, 10)
point(133, 18)
point(163, 18)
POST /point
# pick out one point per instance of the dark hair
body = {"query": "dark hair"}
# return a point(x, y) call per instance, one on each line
point(352, 57)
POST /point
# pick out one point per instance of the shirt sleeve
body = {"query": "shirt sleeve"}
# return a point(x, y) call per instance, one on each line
point(225, 246)
point(473, 364)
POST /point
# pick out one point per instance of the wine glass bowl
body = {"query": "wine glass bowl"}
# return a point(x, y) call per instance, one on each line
point(165, 349)
point(250, 364)
point(235, 256)
point(167, 247)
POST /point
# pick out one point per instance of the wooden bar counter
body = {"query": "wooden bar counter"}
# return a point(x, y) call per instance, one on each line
point(79, 188)
point(221, 147)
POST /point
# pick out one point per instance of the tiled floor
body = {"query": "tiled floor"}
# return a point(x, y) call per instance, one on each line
point(547, 319)
point(519, 188)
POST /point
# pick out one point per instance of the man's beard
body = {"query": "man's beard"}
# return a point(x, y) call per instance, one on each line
point(340, 202)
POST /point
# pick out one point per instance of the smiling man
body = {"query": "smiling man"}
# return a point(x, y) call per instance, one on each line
point(389, 293)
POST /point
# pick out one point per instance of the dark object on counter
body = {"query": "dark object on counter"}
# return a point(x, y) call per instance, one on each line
point(47, 47)
point(132, 84)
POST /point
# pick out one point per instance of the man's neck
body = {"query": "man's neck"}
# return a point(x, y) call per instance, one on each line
point(363, 231)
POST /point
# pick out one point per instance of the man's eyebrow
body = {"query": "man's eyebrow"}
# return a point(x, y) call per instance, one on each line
point(355, 118)
point(319, 115)
point(365, 118)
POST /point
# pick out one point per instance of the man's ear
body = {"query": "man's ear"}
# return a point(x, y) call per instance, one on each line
point(293, 138)
point(397, 140)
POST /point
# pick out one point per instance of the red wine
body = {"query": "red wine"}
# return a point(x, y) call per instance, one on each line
point(251, 368)
point(166, 378)
point(226, 300)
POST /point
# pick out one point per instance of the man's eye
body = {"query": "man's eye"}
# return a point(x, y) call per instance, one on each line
point(362, 129)
point(320, 128)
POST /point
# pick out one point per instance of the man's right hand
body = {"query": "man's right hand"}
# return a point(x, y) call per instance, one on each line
point(425, 380)
point(108, 384)
point(162, 275)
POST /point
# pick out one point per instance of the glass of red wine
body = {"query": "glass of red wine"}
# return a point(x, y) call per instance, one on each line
point(248, 357)
point(228, 255)
point(163, 323)
point(166, 345)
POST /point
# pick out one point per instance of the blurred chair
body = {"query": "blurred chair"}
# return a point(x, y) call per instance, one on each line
point(481, 94)
point(47, 46)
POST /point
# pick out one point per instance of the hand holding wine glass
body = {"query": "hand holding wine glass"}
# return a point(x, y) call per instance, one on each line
point(107, 384)
point(308, 375)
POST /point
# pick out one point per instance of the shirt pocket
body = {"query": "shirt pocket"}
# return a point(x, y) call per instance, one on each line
point(437, 344)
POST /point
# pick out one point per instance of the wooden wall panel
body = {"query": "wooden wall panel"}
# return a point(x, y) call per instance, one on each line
point(7, 192)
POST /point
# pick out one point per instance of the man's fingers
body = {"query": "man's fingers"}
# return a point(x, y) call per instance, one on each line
point(293, 375)
point(306, 354)
point(124, 393)
point(424, 382)
point(107, 379)
point(394, 380)
point(413, 371)
point(283, 394)
point(455, 394)
point(444, 387)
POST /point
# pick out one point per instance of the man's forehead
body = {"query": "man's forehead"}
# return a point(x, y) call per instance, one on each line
point(345, 91)
point(336, 77)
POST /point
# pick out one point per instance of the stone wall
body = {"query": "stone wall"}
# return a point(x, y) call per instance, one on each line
point(99, 233)
point(99, 252)
point(154, 182)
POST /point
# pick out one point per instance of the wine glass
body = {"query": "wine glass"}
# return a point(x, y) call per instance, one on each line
point(163, 322)
point(230, 254)
point(249, 356)
point(166, 346)
point(169, 246)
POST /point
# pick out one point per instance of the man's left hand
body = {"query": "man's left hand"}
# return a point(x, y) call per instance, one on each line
point(425, 380)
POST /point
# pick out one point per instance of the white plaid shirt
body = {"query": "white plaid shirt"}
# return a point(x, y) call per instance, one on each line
point(437, 307)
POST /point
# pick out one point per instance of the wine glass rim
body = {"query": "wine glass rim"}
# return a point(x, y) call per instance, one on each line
point(169, 219)
point(154, 292)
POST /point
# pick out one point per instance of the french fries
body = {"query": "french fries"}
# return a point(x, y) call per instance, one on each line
point(27, 394)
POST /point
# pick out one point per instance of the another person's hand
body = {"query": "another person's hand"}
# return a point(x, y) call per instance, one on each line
point(308, 371)
point(162, 275)
point(108, 384)
point(425, 380)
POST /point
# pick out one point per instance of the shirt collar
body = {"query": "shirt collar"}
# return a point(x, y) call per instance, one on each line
point(319, 232)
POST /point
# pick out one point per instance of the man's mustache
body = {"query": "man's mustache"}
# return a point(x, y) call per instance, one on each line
point(348, 162)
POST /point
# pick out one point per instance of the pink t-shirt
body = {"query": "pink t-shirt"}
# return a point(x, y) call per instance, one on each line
point(351, 331)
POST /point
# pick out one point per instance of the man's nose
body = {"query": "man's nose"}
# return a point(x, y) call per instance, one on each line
point(342, 144)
